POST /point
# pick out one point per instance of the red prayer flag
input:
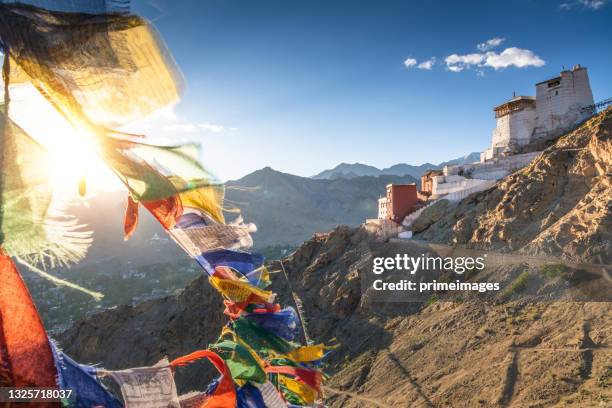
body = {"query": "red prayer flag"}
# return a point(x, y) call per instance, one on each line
point(307, 376)
point(131, 217)
point(167, 210)
point(225, 393)
point(25, 353)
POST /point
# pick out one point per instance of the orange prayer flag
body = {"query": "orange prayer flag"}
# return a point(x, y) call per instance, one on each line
point(224, 395)
point(131, 217)
point(167, 211)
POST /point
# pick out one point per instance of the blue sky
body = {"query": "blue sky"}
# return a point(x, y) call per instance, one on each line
point(304, 85)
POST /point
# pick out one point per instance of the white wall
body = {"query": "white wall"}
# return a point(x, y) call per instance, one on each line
point(558, 107)
point(514, 128)
point(522, 124)
point(501, 133)
point(460, 195)
point(492, 170)
point(458, 183)
point(413, 216)
point(382, 208)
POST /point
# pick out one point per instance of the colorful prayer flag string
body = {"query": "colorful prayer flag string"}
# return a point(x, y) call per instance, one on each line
point(100, 73)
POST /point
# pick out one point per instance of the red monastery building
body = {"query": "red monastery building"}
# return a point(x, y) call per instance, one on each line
point(401, 200)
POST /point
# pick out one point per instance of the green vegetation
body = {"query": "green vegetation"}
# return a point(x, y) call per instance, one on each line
point(554, 270)
point(470, 273)
point(518, 285)
point(432, 300)
point(605, 379)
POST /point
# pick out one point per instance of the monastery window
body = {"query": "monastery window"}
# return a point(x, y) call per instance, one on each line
point(553, 84)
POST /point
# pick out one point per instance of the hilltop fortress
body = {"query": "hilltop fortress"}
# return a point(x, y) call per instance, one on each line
point(559, 105)
point(524, 125)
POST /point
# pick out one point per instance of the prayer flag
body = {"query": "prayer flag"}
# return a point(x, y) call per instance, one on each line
point(224, 395)
point(147, 387)
point(25, 354)
point(87, 391)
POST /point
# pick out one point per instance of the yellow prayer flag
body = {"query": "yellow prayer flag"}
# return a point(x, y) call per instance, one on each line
point(305, 392)
point(306, 353)
point(239, 291)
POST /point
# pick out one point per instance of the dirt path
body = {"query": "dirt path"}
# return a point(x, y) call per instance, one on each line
point(495, 258)
point(358, 397)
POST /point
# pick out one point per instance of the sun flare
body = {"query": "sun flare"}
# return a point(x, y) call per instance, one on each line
point(72, 157)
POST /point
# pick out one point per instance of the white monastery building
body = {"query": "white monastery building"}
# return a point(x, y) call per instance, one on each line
point(559, 105)
point(516, 121)
point(562, 102)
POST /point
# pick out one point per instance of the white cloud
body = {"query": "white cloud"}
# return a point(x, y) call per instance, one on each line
point(428, 64)
point(510, 57)
point(409, 62)
point(490, 44)
point(590, 4)
point(513, 56)
point(458, 63)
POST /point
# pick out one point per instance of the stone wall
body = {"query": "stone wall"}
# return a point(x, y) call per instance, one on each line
point(460, 195)
point(476, 175)
point(559, 101)
point(492, 168)
point(514, 129)
point(382, 229)
point(450, 184)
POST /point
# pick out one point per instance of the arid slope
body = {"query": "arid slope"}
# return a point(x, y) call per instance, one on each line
point(560, 204)
point(530, 352)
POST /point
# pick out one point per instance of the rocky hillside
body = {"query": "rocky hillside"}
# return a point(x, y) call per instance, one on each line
point(520, 348)
point(433, 354)
point(440, 354)
point(560, 204)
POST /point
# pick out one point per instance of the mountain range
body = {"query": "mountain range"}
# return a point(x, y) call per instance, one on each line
point(346, 170)
point(288, 209)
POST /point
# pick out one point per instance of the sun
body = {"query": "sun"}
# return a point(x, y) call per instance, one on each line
point(72, 157)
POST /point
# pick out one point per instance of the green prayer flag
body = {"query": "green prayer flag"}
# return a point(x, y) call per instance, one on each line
point(260, 339)
point(240, 361)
